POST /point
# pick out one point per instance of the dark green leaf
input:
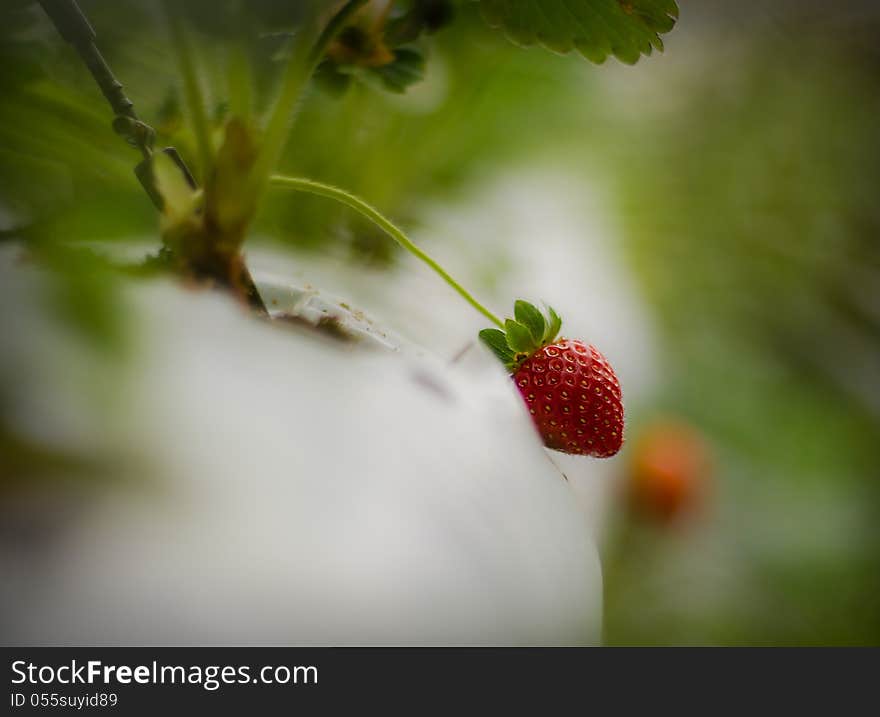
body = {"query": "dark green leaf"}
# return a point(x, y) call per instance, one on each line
point(436, 14)
point(519, 338)
point(553, 326)
point(626, 29)
point(424, 15)
point(496, 340)
point(407, 69)
point(529, 316)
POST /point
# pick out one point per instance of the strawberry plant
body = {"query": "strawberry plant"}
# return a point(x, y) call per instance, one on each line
point(209, 197)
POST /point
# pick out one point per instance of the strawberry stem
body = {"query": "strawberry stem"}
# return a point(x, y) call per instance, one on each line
point(303, 62)
point(310, 186)
point(333, 27)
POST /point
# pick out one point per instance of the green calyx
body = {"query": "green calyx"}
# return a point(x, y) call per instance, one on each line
point(523, 335)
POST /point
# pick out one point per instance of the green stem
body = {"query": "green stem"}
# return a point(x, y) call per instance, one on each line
point(300, 68)
point(193, 90)
point(333, 27)
point(296, 78)
point(309, 186)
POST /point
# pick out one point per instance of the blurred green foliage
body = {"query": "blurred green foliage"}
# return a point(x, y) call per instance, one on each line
point(752, 224)
point(743, 169)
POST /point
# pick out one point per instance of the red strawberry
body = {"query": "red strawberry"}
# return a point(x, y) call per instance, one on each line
point(574, 398)
point(569, 387)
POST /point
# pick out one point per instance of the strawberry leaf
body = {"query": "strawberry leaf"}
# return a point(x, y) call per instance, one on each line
point(626, 29)
point(496, 340)
point(519, 338)
point(531, 318)
point(407, 69)
point(553, 326)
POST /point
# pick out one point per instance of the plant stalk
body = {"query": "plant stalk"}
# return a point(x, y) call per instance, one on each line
point(310, 186)
point(333, 28)
point(300, 68)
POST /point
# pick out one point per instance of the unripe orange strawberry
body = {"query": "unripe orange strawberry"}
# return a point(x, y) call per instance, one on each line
point(669, 471)
point(569, 388)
